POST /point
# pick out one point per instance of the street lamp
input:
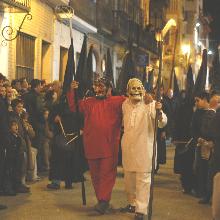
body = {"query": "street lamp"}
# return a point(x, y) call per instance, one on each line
point(186, 49)
point(197, 24)
point(186, 52)
point(159, 37)
point(65, 12)
point(169, 24)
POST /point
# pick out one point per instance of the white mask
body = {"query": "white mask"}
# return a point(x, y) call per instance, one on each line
point(135, 90)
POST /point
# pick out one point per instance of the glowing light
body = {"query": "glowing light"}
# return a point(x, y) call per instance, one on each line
point(197, 24)
point(186, 49)
point(169, 24)
point(199, 43)
point(160, 35)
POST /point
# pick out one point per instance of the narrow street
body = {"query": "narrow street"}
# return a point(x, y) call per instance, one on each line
point(43, 204)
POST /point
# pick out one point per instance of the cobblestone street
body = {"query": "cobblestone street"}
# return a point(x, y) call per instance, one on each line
point(43, 204)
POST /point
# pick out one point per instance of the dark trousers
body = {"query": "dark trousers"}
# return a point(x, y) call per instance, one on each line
point(183, 165)
point(15, 170)
point(201, 171)
point(2, 165)
point(210, 178)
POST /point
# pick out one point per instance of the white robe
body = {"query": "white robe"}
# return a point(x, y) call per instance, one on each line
point(138, 137)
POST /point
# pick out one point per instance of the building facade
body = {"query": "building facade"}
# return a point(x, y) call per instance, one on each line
point(39, 49)
point(184, 44)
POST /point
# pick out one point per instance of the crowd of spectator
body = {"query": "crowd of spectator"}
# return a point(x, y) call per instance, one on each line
point(25, 133)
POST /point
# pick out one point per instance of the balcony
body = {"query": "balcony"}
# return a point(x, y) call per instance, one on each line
point(85, 9)
point(13, 6)
point(147, 41)
point(54, 3)
point(134, 30)
point(120, 29)
point(105, 17)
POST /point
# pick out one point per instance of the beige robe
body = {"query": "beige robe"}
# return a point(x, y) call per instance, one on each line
point(138, 137)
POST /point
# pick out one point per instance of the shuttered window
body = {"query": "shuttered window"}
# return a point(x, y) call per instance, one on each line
point(25, 50)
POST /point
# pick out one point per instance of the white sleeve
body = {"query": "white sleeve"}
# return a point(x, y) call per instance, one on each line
point(162, 123)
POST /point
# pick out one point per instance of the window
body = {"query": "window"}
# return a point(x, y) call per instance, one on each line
point(46, 61)
point(25, 49)
point(94, 63)
point(63, 62)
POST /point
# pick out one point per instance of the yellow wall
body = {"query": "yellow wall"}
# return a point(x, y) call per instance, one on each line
point(41, 26)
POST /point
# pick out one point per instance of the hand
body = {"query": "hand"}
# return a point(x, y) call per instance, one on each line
point(10, 109)
point(160, 117)
point(158, 105)
point(148, 98)
point(163, 135)
point(57, 119)
point(25, 124)
point(74, 84)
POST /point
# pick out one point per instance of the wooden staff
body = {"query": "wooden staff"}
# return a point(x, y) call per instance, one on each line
point(78, 128)
point(158, 99)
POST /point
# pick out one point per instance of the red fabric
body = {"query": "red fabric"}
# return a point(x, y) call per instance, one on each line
point(71, 100)
point(103, 173)
point(102, 124)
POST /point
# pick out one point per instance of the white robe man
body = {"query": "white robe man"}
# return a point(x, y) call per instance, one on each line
point(137, 146)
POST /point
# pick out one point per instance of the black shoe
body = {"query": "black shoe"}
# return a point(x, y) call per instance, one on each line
point(102, 207)
point(139, 216)
point(9, 193)
point(157, 169)
point(196, 194)
point(187, 191)
point(23, 189)
point(3, 207)
point(129, 208)
point(53, 186)
point(68, 186)
point(204, 201)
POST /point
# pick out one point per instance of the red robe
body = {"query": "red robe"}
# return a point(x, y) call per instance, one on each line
point(101, 134)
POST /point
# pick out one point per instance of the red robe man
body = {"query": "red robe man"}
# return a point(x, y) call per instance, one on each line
point(101, 136)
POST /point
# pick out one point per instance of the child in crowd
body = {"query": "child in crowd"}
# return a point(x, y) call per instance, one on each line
point(31, 151)
point(12, 171)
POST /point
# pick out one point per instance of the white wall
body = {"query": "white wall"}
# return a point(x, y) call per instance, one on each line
point(4, 21)
point(62, 38)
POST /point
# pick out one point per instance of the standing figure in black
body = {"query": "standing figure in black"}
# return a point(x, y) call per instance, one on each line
point(184, 153)
point(201, 166)
point(169, 108)
point(13, 147)
point(67, 161)
point(3, 130)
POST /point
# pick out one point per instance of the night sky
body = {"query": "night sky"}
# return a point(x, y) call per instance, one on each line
point(212, 7)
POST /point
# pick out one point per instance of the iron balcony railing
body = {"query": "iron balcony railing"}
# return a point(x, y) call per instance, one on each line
point(120, 29)
point(104, 17)
point(147, 41)
point(19, 4)
point(85, 9)
point(120, 19)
